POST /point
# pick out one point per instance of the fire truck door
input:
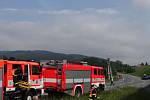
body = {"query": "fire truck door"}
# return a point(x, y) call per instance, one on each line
point(1, 88)
point(35, 76)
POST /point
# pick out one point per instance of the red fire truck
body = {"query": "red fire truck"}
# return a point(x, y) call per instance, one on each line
point(29, 73)
point(72, 78)
point(53, 76)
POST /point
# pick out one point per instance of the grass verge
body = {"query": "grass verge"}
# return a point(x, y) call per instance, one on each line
point(141, 71)
point(126, 93)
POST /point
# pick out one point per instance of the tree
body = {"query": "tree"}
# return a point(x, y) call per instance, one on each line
point(146, 64)
point(12, 58)
point(4, 57)
point(142, 64)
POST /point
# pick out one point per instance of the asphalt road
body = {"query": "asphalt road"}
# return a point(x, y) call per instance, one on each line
point(129, 80)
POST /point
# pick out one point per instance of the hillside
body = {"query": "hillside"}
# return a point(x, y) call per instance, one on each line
point(140, 71)
point(38, 55)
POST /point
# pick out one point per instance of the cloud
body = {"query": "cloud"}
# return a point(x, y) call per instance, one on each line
point(142, 3)
point(108, 11)
point(60, 12)
point(9, 9)
point(94, 32)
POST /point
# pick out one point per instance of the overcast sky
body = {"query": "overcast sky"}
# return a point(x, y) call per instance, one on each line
point(118, 29)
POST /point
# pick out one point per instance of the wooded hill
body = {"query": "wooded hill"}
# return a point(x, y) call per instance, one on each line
point(37, 55)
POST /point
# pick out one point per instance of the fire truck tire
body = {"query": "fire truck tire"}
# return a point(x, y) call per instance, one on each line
point(28, 96)
point(78, 91)
point(101, 87)
point(6, 98)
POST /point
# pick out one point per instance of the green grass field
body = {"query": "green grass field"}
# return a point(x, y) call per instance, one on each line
point(141, 71)
point(126, 93)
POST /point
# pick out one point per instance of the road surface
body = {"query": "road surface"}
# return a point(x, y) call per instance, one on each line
point(129, 80)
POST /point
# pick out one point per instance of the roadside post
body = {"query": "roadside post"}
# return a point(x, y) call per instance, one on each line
point(109, 70)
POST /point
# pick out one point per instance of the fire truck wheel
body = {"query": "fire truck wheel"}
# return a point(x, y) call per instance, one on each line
point(78, 92)
point(6, 98)
point(101, 87)
point(28, 96)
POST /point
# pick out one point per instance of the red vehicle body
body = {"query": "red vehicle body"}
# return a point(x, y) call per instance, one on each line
point(31, 74)
point(73, 79)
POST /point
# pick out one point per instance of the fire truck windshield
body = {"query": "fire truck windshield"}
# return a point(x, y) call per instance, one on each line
point(35, 70)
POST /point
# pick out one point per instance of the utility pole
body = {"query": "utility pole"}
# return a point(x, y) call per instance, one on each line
point(109, 69)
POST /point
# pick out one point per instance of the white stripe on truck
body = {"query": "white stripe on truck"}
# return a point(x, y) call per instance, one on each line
point(52, 80)
point(71, 80)
point(77, 80)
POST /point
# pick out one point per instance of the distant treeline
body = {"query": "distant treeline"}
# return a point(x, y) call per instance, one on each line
point(37, 55)
point(117, 66)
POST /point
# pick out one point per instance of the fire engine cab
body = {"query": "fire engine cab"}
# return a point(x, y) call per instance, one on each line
point(28, 73)
point(71, 78)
